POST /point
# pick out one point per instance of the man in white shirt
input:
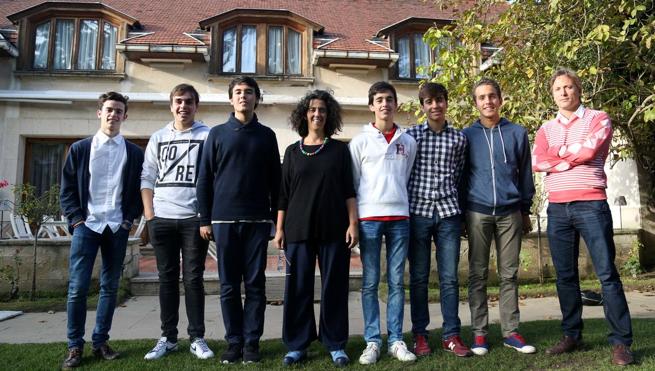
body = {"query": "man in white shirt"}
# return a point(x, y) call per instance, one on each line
point(100, 197)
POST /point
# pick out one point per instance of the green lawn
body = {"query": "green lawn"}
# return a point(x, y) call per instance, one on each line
point(529, 290)
point(541, 333)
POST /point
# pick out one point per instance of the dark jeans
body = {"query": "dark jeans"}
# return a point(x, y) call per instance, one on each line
point(84, 249)
point(241, 250)
point(299, 323)
point(593, 221)
point(169, 237)
point(446, 234)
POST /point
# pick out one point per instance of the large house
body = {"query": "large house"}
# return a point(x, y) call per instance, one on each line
point(56, 57)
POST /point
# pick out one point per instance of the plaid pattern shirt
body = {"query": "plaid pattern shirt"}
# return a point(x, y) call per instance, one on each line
point(433, 184)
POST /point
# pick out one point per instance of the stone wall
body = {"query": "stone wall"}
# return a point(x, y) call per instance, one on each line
point(529, 269)
point(52, 263)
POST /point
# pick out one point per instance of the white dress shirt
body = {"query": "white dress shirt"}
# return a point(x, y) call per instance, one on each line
point(106, 164)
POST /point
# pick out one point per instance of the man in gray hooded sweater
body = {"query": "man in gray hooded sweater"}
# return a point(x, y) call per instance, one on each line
point(168, 191)
point(498, 195)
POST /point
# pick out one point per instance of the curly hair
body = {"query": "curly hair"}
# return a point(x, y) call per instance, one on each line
point(333, 121)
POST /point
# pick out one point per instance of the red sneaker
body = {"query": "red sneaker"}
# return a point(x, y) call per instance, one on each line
point(421, 347)
point(455, 345)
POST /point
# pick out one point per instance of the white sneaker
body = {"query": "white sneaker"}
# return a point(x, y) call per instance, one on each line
point(200, 349)
point(399, 351)
point(162, 348)
point(371, 354)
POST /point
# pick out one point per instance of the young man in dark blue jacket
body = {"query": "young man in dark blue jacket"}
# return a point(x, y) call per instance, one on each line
point(100, 197)
point(237, 194)
point(498, 198)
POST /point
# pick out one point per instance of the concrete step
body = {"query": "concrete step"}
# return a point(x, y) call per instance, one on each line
point(147, 283)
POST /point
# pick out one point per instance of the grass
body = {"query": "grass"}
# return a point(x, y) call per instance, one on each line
point(531, 290)
point(56, 301)
point(542, 334)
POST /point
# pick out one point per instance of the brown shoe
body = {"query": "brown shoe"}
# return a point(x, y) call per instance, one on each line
point(73, 359)
point(566, 345)
point(621, 355)
point(105, 352)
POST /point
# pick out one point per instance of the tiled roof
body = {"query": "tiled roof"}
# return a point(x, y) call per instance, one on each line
point(351, 22)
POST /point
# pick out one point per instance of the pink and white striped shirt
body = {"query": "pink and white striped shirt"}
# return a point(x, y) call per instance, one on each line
point(572, 153)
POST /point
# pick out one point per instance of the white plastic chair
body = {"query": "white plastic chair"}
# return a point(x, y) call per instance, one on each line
point(20, 227)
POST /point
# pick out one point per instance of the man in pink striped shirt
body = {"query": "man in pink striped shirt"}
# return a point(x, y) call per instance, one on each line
point(571, 149)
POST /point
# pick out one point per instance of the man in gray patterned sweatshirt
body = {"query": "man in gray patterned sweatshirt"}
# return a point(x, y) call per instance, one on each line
point(168, 190)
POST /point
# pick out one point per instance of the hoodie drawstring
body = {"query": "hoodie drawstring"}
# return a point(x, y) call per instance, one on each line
point(500, 132)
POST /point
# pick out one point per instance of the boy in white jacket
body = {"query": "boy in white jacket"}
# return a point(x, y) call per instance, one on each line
point(168, 191)
point(383, 156)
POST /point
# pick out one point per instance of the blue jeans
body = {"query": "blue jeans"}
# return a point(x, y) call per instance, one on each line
point(446, 233)
point(84, 249)
point(396, 235)
point(593, 221)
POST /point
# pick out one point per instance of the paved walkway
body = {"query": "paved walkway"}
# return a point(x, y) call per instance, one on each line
point(138, 318)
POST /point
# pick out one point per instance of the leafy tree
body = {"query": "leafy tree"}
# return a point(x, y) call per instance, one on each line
point(610, 43)
point(36, 210)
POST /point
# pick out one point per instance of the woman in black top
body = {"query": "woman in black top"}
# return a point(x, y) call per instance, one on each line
point(317, 218)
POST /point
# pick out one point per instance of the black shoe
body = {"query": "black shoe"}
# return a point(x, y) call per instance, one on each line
point(105, 352)
point(73, 359)
point(251, 353)
point(232, 354)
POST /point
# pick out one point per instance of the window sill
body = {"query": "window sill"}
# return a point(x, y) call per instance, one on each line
point(412, 82)
point(285, 80)
point(72, 74)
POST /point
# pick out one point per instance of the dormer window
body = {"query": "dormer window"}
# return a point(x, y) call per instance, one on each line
point(261, 42)
point(414, 55)
point(283, 48)
point(71, 38)
point(75, 44)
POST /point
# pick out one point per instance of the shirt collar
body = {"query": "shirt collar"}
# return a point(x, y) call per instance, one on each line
point(578, 113)
point(426, 128)
point(102, 138)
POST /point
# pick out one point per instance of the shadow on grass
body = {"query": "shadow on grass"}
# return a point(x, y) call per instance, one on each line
point(542, 334)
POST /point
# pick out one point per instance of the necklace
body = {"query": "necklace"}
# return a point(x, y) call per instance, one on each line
point(312, 153)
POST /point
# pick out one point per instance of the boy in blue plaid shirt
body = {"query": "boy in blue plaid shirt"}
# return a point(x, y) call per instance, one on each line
point(435, 214)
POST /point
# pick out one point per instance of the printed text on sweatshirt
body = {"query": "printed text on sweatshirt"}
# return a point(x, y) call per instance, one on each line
point(572, 153)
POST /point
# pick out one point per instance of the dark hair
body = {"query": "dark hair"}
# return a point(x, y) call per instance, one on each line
point(333, 122)
point(184, 88)
point(248, 81)
point(432, 90)
point(487, 81)
point(379, 87)
point(112, 95)
point(563, 71)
